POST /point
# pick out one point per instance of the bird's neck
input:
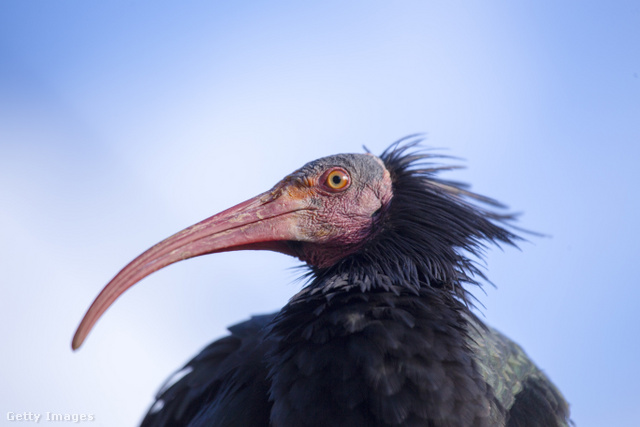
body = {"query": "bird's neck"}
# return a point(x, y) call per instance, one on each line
point(379, 355)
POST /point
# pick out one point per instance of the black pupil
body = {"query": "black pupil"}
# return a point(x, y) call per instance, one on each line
point(337, 179)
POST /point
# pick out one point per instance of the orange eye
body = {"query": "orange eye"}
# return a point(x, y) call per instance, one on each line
point(337, 179)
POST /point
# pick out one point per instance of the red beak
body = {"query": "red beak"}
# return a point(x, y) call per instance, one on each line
point(266, 221)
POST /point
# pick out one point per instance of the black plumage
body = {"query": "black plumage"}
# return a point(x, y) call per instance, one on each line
point(382, 333)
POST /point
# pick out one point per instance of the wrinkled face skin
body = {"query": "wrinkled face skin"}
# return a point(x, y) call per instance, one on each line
point(321, 213)
point(344, 195)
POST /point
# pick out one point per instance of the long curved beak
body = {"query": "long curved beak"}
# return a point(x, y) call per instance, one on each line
point(266, 221)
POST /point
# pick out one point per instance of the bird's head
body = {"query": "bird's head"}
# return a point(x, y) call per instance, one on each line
point(330, 208)
point(388, 215)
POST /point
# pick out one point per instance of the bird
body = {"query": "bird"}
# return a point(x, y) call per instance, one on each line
point(383, 332)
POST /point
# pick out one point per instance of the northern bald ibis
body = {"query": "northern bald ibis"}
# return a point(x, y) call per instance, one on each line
point(382, 334)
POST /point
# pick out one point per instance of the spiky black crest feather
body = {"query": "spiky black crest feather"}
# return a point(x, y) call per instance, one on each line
point(430, 235)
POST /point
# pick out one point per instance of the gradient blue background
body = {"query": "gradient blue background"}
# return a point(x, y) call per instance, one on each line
point(122, 122)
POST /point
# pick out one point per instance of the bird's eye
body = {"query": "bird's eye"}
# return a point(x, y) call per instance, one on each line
point(337, 179)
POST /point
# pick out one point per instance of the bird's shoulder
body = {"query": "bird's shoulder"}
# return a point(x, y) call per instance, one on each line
point(229, 374)
point(527, 394)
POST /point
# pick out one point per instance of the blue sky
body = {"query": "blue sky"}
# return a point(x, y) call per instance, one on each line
point(123, 122)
